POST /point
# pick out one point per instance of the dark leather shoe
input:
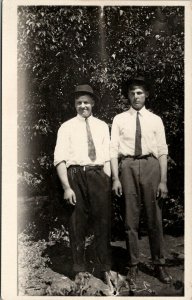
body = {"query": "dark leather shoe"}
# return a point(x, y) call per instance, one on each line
point(131, 276)
point(162, 274)
point(82, 278)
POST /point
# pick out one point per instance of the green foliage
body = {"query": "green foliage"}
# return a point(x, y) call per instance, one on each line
point(61, 46)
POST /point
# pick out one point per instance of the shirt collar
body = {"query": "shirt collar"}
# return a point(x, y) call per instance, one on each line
point(142, 111)
point(82, 118)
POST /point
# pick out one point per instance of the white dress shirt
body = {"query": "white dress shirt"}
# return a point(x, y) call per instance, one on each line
point(72, 144)
point(123, 134)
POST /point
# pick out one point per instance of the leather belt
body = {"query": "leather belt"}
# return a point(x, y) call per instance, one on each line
point(138, 157)
point(86, 167)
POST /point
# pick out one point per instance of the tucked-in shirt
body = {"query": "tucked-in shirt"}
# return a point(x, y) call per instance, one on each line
point(153, 139)
point(72, 143)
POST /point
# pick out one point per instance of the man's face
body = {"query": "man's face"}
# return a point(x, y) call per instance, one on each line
point(83, 105)
point(137, 96)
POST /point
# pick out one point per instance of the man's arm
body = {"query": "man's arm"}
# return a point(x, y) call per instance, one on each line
point(116, 187)
point(162, 157)
point(69, 194)
point(114, 149)
point(162, 190)
point(105, 149)
point(107, 168)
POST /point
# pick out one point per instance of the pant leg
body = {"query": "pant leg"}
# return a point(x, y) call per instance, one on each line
point(129, 176)
point(78, 218)
point(99, 192)
point(150, 178)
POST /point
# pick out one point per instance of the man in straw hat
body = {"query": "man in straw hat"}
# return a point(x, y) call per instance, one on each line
point(82, 161)
point(138, 144)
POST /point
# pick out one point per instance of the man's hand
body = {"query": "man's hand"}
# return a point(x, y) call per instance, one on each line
point(162, 190)
point(117, 188)
point(69, 196)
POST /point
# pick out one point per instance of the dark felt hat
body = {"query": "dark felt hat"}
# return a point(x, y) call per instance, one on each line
point(85, 89)
point(139, 80)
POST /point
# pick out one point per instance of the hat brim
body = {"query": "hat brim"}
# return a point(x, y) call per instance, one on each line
point(130, 82)
point(94, 96)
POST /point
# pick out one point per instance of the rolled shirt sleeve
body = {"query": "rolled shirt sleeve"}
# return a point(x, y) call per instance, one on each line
point(114, 144)
point(61, 152)
point(106, 144)
point(162, 148)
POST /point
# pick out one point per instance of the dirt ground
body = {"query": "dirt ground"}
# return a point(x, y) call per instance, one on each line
point(45, 267)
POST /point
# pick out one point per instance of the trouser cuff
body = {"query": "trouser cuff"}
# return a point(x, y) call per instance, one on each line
point(160, 261)
point(79, 268)
point(131, 265)
point(103, 268)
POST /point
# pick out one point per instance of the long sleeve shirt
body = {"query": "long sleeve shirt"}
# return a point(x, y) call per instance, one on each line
point(123, 134)
point(72, 144)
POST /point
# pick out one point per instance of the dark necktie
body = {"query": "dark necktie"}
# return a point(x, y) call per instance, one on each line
point(138, 150)
point(91, 146)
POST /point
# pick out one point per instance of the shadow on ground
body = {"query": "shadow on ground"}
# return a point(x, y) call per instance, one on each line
point(60, 271)
point(147, 284)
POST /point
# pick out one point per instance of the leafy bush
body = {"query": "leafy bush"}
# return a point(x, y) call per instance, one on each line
point(59, 235)
point(61, 46)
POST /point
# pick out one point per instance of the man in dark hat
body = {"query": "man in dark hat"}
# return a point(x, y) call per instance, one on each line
point(138, 145)
point(82, 161)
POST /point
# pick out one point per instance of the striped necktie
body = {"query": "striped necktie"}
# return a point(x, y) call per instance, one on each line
point(138, 150)
point(91, 146)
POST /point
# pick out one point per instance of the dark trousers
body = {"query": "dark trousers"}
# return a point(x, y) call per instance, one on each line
point(92, 190)
point(140, 179)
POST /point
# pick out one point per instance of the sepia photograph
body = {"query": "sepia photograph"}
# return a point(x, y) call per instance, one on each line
point(99, 120)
